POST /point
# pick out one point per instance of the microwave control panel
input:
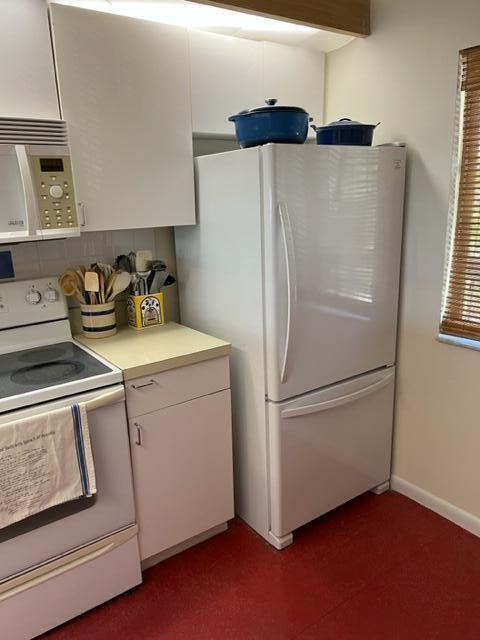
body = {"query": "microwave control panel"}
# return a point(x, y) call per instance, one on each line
point(54, 191)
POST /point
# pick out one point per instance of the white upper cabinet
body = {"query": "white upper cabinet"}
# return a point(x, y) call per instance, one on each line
point(230, 74)
point(27, 73)
point(226, 77)
point(295, 76)
point(124, 91)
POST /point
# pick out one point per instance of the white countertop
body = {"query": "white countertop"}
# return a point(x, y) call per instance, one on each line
point(156, 349)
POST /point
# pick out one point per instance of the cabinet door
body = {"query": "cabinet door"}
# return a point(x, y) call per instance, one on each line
point(225, 77)
point(295, 76)
point(124, 90)
point(26, 61)
point(182, 469)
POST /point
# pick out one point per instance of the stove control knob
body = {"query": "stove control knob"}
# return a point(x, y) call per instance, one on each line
point(51, 294)
point(56, 191)
point(33, 296)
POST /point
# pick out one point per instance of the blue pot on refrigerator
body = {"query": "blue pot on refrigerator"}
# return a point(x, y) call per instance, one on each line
point(271, 123)
point(346, 132)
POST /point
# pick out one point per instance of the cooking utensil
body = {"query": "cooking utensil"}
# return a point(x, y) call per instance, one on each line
point(144, 275)
point(119, 282)
point(98, 269)
point(143, 260)
point(169, 280)
point(132, 257)
point(123, 263)
point(80, 273)
point(101, 285)
point(69, 286)
point(271, 123)
point(92, 285)
point(345, 132)
point(156, 281)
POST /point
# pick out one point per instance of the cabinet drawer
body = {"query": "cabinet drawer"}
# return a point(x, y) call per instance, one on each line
point(160, 390)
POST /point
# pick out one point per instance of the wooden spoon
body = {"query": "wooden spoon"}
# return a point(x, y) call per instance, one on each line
point(120, 282)
point(101, 283)
point(70, 288)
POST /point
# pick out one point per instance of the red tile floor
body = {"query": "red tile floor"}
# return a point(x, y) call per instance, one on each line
point(378, 568)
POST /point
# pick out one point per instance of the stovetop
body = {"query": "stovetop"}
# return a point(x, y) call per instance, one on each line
point(47, 366)
point(39, 360)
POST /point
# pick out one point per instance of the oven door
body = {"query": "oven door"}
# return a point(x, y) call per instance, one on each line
point(61, 529)
point(18, 208)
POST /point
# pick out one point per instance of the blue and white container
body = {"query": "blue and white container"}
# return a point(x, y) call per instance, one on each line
point(98, 320)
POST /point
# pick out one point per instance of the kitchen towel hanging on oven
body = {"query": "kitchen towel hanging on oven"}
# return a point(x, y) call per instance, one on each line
point(45, 460)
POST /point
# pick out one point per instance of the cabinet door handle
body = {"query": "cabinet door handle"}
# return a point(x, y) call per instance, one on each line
point(142, 386)
point(138, 429)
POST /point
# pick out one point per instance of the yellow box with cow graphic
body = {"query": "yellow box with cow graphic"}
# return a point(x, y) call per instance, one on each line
point(145, 311)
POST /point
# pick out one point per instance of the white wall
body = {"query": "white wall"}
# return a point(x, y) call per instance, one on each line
point(405, 76)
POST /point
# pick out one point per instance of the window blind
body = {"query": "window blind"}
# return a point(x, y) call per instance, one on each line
point(461, 302)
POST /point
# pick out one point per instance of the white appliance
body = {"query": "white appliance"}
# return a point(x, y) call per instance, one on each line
point(296, 260)
point(36, 181)
point(75, 556)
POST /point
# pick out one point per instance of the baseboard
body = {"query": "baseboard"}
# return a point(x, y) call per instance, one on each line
point(183, 546)
point(463, 518)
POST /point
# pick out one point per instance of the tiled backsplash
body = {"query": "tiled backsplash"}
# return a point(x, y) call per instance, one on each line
point(51, 257)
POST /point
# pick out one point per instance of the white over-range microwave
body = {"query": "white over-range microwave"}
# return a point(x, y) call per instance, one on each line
point(37, 194)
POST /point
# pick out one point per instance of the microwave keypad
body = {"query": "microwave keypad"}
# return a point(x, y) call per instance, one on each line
point(54, 186)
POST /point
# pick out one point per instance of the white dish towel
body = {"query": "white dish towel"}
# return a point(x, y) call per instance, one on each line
point(45, 460)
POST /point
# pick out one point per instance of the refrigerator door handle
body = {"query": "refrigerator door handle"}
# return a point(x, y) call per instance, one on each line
point(338, 402)
point(288, 247)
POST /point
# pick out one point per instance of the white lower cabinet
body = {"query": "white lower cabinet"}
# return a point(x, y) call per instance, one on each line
point(182, 469)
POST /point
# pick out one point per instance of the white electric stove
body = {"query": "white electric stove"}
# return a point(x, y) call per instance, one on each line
point(39, 361)
point(75, 556)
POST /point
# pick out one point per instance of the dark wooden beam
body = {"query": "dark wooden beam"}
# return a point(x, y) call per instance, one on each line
point(343, 16)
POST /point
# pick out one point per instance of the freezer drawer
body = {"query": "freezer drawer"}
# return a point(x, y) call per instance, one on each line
point(328, 447)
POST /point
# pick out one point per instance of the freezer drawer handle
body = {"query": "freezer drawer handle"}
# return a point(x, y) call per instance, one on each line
point(338, 402)
point(288, 246)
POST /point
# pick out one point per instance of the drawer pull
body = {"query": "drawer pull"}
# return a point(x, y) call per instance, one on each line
point(142, 386)
point(138, 439)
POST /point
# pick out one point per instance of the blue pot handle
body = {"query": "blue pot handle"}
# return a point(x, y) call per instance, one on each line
point(235, 117)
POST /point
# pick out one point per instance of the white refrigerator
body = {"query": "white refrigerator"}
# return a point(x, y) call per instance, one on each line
point(295, 259)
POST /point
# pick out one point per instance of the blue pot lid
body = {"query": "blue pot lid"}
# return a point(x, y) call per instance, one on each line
point(270, 107)
point(346, 122)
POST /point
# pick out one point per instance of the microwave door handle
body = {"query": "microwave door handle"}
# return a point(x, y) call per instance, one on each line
point(28, 189)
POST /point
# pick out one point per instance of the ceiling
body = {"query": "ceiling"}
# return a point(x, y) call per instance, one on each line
point(222, 21)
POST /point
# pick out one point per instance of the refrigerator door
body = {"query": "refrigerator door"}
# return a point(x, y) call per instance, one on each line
point(332, 239)
point(328, 447)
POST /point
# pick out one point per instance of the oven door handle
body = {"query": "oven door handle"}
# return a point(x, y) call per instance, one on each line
point(34, 577)
point(105, 399)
